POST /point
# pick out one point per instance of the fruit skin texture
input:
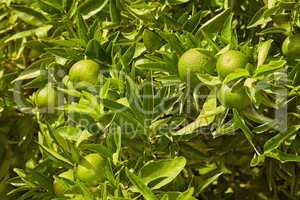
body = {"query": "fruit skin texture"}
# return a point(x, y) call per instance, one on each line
point(291, 47)
point(84, 71)
point(47, 96)
point(194, 61)
point(232, 98)
point(230, 61)
point(91, 169)
point(59, 186)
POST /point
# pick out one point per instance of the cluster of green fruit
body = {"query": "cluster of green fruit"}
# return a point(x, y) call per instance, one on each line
point(201, 61)
point(90, 171)
point(193, 61)
point(81, 73)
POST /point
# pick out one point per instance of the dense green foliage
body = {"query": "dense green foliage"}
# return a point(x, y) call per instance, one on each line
point(154, 100)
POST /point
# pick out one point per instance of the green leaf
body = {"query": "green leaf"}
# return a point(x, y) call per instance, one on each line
point(178, 2)
point(164, 170)
point(82, 30)
point(40, 32)
point(40, 179)
point(50, 7)
point(66, 53)
point(257, 117)
point(62, 42)
point(148, 99)
point(123, 111)
point(209, 80)
point(226, 32)
point(263, 52)
point(257, 159)
point(165, 197)
point(215, 24)
point(56, 155)
point(205, 183)
point(265, 127)
point(117, 140)
point(59, 139)
point(282, 156)
point(99, 148)
point(140, 186)
point(274, 142)
point(192, 24)
point(80, 108)
point(134, 98)
point(173, 42)
point(269, 68)
point(90, 8)
point(240, 123)
point(203, 119)
point(239, 73)
point(272, 30)
point(261, 17)
point(85, 191)
point(127, 57)
point(69, 132)
point(95, 51)
point(29, 15)
point(114, 12)
point(147, 64)
point(28, 74)
point(187, 195)
point(209, 105)
point(152, 41)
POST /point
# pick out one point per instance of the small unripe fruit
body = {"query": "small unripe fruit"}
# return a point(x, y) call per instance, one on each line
point(233, 98)
point(195, 61)
point(291, 47)
point(46, 97)
point(231, 61)
point(84, 71)
point(60, 186)
point(91, 169)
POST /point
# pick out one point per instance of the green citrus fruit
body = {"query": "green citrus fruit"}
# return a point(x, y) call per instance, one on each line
point(91, 169)
point(230, 61)
point(61, 186)
point(232, 98)
point(194, 61)
point(291, 47)
point(84, 71)
point(46, 97)
point(30, 164)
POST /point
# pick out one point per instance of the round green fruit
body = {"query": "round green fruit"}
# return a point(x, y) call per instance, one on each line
point(84, 71)
point(194, 61)
point(46, 97)
point(232, 98)
point(291, 47)
point(91, 169)
point(230, 61)
point(61, 186)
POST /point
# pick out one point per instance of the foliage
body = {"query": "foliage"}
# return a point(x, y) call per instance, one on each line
point(161, 137)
